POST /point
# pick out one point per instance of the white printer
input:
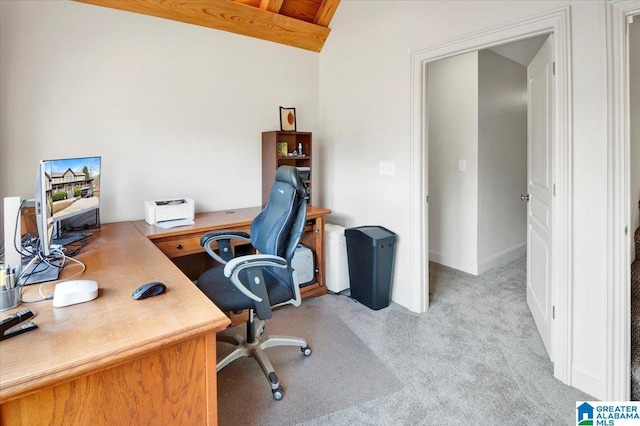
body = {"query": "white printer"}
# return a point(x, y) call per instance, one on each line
point(176, 209)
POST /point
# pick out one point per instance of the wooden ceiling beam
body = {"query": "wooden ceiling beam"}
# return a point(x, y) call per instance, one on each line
point(325, 12)
point(229, 16)
point(271, 5)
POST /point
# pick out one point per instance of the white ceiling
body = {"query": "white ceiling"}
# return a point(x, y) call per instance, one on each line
point(522, 51)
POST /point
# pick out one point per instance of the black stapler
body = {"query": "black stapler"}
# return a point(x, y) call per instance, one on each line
point(10, 326)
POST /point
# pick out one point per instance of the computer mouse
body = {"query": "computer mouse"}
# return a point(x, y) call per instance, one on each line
point(153, 288)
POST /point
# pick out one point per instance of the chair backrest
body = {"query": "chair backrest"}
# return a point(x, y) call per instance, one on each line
point(278, 228)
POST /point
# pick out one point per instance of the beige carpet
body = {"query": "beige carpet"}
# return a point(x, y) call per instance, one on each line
point(340, 372)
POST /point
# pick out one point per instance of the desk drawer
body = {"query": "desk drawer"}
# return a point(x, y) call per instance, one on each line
point(185, 245)
point(179, 246)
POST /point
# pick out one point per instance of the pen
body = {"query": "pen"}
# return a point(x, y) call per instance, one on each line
point(12, 278)
point(3, 279)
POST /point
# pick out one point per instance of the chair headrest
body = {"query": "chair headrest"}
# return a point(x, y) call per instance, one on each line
point(289, 175)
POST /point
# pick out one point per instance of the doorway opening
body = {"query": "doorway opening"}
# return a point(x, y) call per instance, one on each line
point(556, 22)
point(489, 139)
point(621, 197)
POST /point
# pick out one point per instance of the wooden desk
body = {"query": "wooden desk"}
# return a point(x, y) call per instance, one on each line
point(182, 244)
point(115, 360)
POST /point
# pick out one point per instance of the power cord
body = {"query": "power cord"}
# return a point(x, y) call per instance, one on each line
point(75, 247)
point(42, 285)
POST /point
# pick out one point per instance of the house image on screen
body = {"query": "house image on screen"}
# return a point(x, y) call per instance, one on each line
point(70, 181)
point(585, 414)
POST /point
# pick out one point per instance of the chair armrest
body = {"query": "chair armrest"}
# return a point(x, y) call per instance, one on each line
point(224, 235)
point(223, 238)
point(235, 266)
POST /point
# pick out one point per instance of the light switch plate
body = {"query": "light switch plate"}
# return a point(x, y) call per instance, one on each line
point(462, 165)
point(387, 168)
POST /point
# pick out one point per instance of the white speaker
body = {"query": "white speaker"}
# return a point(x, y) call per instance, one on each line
point(12, 229)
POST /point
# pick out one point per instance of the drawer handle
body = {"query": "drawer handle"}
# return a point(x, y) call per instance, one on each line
point(179, 246)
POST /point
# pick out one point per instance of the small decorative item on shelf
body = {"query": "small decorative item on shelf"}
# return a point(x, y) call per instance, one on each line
point(288, 119)
point(282, 149)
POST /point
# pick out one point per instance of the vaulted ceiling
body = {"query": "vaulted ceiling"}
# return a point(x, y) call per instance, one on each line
point(298, 23)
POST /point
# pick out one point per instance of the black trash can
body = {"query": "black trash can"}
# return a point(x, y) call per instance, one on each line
point(370, 254)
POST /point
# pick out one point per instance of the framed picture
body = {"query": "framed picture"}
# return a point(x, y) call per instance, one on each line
point(288, 119)
point(282, 149)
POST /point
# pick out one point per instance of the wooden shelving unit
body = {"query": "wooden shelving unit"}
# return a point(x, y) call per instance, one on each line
point(272, 157)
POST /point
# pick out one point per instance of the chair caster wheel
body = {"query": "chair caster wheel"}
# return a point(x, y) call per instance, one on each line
point(306, 351)
point(278, 393)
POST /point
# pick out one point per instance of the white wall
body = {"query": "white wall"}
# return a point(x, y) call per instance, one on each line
point(365, 117)
point(634, 107)
point(502, 159)
point(173, 109)
point(452, 85)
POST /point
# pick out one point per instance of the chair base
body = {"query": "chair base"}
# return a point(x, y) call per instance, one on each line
point(255, 349)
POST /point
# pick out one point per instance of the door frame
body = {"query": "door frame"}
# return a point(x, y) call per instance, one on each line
point(618, 295)
point(557, 22)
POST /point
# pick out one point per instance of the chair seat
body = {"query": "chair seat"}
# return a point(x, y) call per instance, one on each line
point(227, 297)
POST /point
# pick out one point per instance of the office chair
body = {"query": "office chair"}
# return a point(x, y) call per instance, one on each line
point(258, 282)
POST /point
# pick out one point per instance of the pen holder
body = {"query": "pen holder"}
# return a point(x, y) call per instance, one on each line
point(10, 298)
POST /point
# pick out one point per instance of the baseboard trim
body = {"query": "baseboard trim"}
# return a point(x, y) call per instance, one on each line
point(588, 383)
point(502, 257)
point(482, 266)
point(452, 262)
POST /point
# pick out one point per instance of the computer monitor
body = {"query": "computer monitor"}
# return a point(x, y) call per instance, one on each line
point(74, 192)
point(67, 197)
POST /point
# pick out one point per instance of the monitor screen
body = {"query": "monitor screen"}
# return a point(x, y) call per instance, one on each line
point(74, 190)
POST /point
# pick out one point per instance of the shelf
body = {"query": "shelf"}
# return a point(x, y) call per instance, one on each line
point(275, 142)
point(294, 157)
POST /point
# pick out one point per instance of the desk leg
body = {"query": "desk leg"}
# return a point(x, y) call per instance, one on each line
point(212, 379)
point(319, 231)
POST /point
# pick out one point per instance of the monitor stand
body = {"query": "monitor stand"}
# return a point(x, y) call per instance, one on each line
point(37, 271)
point(69, 237)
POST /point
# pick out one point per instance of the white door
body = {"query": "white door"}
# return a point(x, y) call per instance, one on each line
point(540, 191)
